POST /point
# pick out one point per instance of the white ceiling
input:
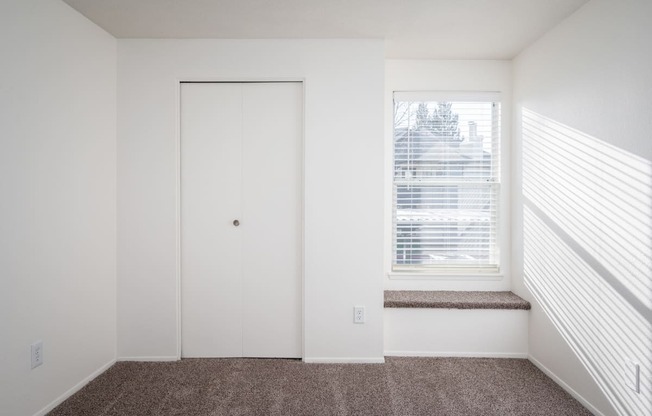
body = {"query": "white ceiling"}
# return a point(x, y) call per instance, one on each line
point(439, 29)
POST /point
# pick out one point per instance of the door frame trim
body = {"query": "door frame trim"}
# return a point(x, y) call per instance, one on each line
point(177, 214)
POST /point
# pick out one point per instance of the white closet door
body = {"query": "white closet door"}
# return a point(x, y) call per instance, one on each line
point(271, 226)
point(211, 247)
point(241, 160)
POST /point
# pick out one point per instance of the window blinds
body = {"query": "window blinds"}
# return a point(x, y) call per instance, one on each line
point(445, 181)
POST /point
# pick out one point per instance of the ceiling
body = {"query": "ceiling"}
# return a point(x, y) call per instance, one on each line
point(437, 29)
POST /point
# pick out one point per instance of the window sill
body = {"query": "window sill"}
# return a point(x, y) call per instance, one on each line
point(450, 275)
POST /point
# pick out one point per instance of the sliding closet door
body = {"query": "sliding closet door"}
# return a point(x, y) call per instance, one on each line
point(271, 212)
point(211, 198)
point(241, 219)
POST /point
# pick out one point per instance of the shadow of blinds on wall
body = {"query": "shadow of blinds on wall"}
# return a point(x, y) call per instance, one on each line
point(587, 252)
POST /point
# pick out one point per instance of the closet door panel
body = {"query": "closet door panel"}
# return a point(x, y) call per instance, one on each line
point(272, 219)
point(211, 199)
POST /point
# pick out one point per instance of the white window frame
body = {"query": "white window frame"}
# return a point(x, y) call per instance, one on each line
point(453, 272)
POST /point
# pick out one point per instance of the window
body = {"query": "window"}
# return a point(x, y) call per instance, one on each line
point(446, 182)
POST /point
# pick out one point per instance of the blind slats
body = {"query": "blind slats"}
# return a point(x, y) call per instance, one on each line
point(446, 182)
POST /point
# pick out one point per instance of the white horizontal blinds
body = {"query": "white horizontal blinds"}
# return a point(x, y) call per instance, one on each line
point(446, 181)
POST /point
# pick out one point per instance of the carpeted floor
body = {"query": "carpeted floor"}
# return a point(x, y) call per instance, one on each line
point(401, 386)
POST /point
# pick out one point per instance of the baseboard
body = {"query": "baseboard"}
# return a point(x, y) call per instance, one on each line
point(565, 386)
point(344, 360)
point(456, 354)
point(155, 358)
point(74, 389)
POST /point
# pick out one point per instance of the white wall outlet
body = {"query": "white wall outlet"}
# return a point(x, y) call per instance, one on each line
point(37, 354)
point(633, 375)
point(358, 314)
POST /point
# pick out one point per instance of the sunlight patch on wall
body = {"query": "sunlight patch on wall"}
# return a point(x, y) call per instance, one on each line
point(588, 251)
point(599, 194)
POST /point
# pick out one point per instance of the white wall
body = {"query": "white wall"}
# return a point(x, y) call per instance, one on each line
point(57, 181)
point(343, 159)
point(434, 75)
point(583, 222)
point(456, 332)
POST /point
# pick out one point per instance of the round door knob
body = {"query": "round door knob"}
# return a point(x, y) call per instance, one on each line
point(236, 222)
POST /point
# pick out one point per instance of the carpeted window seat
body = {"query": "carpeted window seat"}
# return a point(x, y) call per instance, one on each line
point(454, 300)
point(455, 324)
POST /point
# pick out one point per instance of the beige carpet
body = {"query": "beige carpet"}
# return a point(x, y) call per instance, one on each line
point(401, 386)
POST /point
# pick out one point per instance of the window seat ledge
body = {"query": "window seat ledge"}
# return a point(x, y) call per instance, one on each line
point(440, 299)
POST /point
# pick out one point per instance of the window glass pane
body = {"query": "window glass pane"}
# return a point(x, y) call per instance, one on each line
point(446, 187)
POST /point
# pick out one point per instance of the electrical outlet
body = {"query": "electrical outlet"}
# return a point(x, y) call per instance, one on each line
point(37, 354)
point(358, 314)
point(633, 375)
